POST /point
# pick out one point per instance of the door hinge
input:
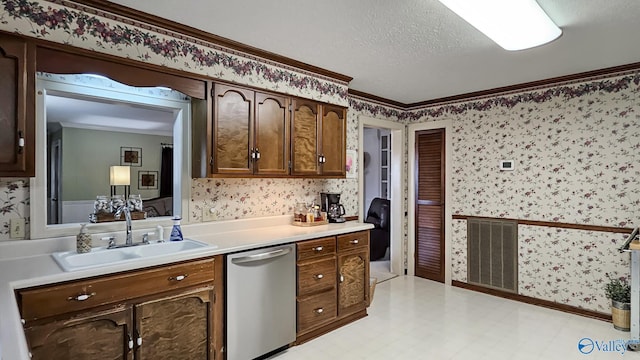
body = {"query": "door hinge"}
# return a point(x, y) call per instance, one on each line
point(290, 165)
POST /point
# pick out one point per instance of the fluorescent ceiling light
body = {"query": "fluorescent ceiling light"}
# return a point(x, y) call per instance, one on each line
point(512, 24)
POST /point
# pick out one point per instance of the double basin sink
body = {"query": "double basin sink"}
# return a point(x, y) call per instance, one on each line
point(71, 260)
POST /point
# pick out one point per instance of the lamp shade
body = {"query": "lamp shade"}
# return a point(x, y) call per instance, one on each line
point(120, 175)
point(512, 24)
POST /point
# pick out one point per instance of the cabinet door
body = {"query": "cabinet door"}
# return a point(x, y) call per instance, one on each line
point(334, 121)
point(353, 281)
point(93, 336)
point(233, 121)
point(17, 121)
point(176, 327)
point(271, 135)
point(304, 138)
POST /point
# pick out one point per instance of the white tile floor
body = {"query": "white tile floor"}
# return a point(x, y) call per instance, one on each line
point(413, 318)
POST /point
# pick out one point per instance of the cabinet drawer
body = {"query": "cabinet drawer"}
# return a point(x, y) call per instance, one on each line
point(83, 294)
point(315, 248)
point(316, 276)
point(353, 240)
point(316, 310)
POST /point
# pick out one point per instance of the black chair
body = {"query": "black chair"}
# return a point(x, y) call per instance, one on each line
point(379, 215)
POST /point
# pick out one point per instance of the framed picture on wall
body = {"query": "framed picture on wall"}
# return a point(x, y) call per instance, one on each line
point(350, 164)
point(130, 156)
point(147, 180)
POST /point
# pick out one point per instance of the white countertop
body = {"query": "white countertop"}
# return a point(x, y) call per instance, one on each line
point(29, 263)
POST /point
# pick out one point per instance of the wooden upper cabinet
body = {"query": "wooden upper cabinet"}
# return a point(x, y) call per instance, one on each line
point(305, 131)
point(271, 151)
point(251, 132)
point(17, 120)
point(334, 140)
point(232, 130)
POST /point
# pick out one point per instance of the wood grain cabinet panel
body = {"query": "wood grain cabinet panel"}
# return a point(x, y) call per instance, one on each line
point(17, 120)
point(100, 335)
point(271, 149)
point(316, 276)
point(175, 327)
point(315, 311)
point(305, 134)
point(233, 122)
point(334, 140)
point(353, 272)
point(316, 248)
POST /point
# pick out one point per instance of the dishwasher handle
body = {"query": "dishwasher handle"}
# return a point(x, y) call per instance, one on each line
point(262, 256)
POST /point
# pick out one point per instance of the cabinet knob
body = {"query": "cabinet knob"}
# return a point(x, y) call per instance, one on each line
point(257, 154)
point(354, 242)
point(319, 276)
point(139, 340)
point(179, 277)
point(130, 343)
point(319, 310)
point(341, 278)
point(318, 248)
point(81, 297)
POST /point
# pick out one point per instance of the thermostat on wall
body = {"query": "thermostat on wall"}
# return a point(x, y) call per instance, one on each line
point(506, 165)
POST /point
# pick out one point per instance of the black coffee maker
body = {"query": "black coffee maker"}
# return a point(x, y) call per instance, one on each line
point(330, 203)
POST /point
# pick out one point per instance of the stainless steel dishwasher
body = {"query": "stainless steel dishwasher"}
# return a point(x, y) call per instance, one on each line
point(261, 301)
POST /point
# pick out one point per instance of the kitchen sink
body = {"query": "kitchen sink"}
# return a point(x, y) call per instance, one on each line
point(71, 260)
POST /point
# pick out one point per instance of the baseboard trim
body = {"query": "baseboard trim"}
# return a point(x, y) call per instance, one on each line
point(533, 301)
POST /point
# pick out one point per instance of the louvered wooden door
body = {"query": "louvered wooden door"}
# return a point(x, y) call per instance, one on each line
point(429, 254)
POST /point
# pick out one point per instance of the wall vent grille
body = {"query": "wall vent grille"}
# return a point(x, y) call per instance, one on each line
point(492, 253)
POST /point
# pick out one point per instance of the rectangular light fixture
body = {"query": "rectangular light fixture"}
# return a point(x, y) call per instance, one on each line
point(512, 24)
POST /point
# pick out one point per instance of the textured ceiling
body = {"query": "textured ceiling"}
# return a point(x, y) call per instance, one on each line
point(413, 50)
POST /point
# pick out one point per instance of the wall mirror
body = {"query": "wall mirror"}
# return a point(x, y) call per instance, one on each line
point(85, 124)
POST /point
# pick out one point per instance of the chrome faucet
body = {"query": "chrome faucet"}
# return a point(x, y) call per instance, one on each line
point(127, 216)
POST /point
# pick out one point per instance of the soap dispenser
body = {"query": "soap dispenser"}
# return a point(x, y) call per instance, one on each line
point(176, 231)
point(83, 240)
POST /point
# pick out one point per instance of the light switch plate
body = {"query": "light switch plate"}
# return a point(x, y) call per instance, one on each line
point(17, 228)
point(209, 214)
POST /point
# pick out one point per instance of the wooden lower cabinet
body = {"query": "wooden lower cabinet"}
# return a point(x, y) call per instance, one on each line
point(165, 321)
point(333, 283)
point(175, 327)
point(99, 335)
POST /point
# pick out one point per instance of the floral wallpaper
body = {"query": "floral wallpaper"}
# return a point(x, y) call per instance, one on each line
point(575, 149)
point(562, 265)
point(14, 204)
point(69, 23)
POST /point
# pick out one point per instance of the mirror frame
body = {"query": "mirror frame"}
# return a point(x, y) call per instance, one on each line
point(38, 184)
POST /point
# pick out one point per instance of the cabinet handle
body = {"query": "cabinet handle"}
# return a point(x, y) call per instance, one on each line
point(257, 154)
point(81, 297)
point(354, 242)
point(179, 277)
point(319, 276)
point(20, 142)
point(130, 343)
point(318, 248)
point(253, 154)
point(139, 340)
point(341, 278)
point(319, 310)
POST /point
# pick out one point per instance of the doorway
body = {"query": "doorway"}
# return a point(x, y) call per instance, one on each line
point(381, 155)
point(429, 200)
